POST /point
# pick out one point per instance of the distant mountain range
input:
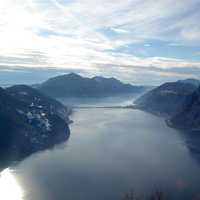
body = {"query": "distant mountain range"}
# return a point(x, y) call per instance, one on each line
point(74, 85)
point(30, 121)
point(178, 101)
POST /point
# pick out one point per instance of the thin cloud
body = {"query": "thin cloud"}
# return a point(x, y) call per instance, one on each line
point(75, 34)
point(118, 30)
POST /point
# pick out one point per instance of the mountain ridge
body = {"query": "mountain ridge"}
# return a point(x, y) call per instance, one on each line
point(74, 85)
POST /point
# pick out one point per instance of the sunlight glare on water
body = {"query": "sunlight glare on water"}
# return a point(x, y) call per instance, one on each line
point(9, 188)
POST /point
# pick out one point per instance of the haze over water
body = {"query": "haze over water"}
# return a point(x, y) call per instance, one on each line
point(110, 152)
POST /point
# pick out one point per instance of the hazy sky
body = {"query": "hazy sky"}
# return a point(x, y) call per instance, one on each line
point(135, 40)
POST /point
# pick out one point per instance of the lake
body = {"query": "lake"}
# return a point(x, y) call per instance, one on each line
point(109, 153)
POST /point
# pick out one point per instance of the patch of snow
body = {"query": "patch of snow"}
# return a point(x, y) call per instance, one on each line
point(20, 111)
point(30, 116)
point(32, 104)
point(40, 118)
point(43, 114)
point(47, 124)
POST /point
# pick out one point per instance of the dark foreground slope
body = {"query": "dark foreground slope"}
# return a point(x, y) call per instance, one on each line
point(73, 85)
point(30, 122)
point(166, 99)
point(188, 118)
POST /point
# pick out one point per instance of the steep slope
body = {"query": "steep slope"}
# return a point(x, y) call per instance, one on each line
point(189, 115)
point(36, 99)
point(166, 99)
point(30, 122)
point(73, 85)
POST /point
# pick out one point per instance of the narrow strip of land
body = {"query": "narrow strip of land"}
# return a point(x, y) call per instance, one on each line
point(104, 107)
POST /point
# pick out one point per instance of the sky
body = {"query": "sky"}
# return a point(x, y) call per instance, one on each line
point(137, 41)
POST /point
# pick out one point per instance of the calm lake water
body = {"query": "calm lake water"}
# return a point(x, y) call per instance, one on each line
point(109, 153)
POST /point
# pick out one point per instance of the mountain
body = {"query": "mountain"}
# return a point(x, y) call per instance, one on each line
point(74, 85)
point(188, 118)
point(35, 98)
point(30, 122)
point(191, 81)
point(166, 99)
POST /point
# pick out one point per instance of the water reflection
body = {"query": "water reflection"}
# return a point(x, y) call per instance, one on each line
point(109, 152)
point(9, 187)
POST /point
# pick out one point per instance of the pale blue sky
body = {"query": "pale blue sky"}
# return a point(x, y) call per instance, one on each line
point(134, 40)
